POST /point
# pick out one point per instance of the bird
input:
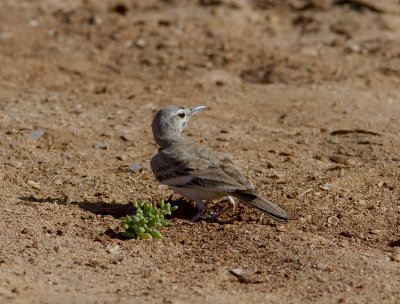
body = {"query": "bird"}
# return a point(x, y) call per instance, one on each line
point(200, 173)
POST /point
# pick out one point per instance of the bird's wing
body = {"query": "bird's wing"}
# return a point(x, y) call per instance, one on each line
point(190, 164)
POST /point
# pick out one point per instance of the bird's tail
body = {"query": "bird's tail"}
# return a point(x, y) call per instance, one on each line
point(265, 205)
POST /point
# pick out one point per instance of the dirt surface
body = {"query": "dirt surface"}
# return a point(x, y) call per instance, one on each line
point(305, 99)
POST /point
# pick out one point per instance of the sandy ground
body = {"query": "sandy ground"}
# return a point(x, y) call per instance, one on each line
point(305, 99)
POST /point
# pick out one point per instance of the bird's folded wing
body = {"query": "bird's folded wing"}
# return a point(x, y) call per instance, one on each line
point(209, 170)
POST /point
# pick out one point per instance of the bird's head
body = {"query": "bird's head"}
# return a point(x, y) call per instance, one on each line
point(170, 121)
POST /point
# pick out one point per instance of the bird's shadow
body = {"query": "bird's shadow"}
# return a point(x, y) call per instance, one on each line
point(185, 210)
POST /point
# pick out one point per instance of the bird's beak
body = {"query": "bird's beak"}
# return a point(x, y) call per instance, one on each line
point(198, 109)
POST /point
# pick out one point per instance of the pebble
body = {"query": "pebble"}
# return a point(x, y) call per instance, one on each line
point(237, 271)
point(341, 159)
point(35, 134)
point(127, 137)
point(13, 164)
point(140, 43)
point(395, 256)
point(270, 165)
point(122, 157)
point(101, 145)
point(333, 221)
point(325, 187)
point(135, 167)
point(334, 140)
point(320, 266)
point(113, 249)
point(281, 228)
point(33, 23)
point(5, 35)
point(277, 175)
point(361, 203)
point(34, 185)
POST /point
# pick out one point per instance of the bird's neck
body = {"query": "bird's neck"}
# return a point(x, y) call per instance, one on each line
point(166, 139)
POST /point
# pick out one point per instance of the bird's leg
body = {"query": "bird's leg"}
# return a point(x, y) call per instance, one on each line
point(231, 205)
point(202, 210)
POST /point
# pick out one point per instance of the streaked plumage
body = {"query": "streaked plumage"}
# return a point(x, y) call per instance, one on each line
point(197, 172)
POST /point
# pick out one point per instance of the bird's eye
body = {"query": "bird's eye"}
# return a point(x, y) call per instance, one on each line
point(181, 115)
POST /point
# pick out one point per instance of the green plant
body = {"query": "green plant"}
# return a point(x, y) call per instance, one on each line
point(146, 220)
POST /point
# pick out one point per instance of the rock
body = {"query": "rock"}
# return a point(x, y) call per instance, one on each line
point(270, 165)
point(135, 167)
point(140, 43)
point(101, 145)
point(281, 228)
point(277, 175)
point(237, 271)
point(320, 266)
point(395, 256)
point(325, 187)
point(127, 137)
point(333, 221)
point(258, 170)
point(35, 134)
point(113, 249)
point(122, 157)
point(247, 277)
point(34, 185)
point(341, 159)
point(5, 35)
point(33, 23)
point(334, 140)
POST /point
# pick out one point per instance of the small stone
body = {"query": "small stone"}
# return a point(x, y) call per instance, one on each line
point(361, 203)
point(322, 279)
point(101, 145)
point(259, 170)
point(270, 165)
point(122, 157)
point(325, 187)
point(35, 134)
point(334, 140)
point(320, 266)
point(354, 47)
point(333, 221)
point(127, 137)
point(237, 271)
point(277, 175)
point(13, 164)
point(341, 159)
point(34, 185)
point(135, 167)
point(33, 23)
point(395, 256)
point(140, 43)
point(5, 35)
point(281, 228)
point(106, 134)
point(113, 249)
